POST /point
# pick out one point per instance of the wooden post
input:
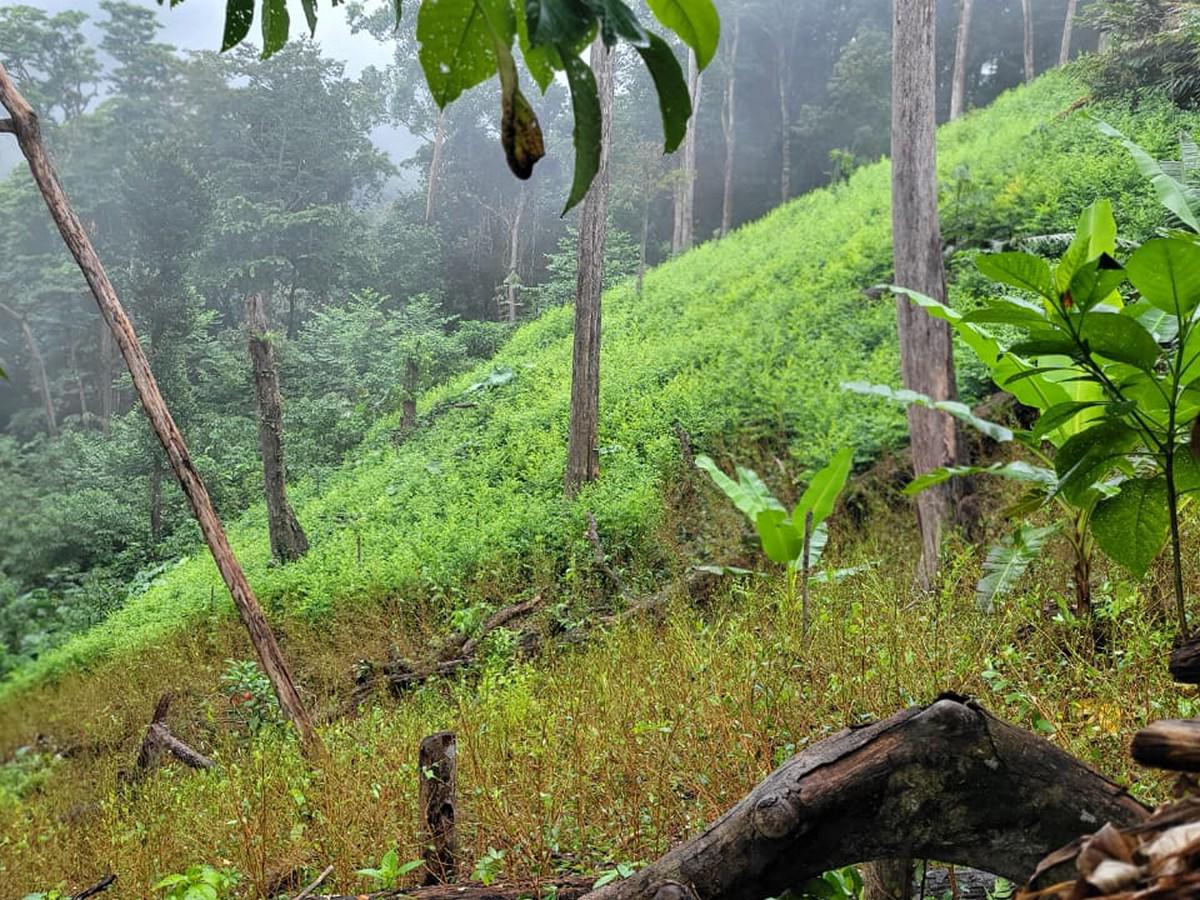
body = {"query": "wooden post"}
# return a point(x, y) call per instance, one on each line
point(436, 772)
point(24, 124)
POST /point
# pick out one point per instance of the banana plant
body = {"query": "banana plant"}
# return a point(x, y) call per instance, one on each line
point(794, 541)
point(1109, 355)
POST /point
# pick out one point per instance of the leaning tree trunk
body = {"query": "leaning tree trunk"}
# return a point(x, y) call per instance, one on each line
point(947, 782)
point(1064, 51)
point(24, 124)
point(926, 351)
point(39, 368)
point(729, 126)
point(958, 85)
point(583, 456)
point(288, 542)
point(1027, 18)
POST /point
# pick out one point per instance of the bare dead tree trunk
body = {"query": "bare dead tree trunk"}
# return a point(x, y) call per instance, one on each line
point(947, 782)
point(1064, 52)
point(783, 80)
point(436, 770)
point(958, 86)
point(926, 351)
point(729, 125)
point(39, 368)
point(24, 124)
point(435, 165)
point(288, 541)
point(1027, 17)
point(583, 456)
point(512, 279)
point(685, 192)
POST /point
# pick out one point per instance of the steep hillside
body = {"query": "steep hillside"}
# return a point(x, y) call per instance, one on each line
point(742, 342)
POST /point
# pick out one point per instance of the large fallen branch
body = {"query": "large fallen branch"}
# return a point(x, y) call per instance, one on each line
point(948, 782)
point(157, 741)
point(569, 887)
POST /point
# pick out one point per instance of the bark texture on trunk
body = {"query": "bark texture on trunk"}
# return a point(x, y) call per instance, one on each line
point(926, 350)
point(583, 456)
point(947, 782)
point(685, 189)
point(436, 769)
point(958, 85)
point(1027, 19)
point(783, 82)
point(288, 541)
point(156, 474)
point(729, 125)
point(512, 281)
point(25, 126)
point(435, 165)
point(39, 368)
point(1064, 51)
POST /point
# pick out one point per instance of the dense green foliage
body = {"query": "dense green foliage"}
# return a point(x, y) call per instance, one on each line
point(469, 504)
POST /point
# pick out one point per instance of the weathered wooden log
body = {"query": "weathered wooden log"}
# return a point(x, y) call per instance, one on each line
point(567, 887)
point(461, 645)
point(98, 888)
point(157, 741)
point(948, 782)
point(1172, 744)
point(436, 771)
point(1185, 662)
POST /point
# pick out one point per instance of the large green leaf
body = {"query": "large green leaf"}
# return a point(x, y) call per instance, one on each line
point(1166, 272)
point(1090, 455)
point(1171, 193)
point(1004, 312)
point(458, 43)
point(239, 16)
point(780, 540)
point(1017, 470)
point(749, 493)
point(952, 407)
point(1094, 282)
point(275, 24)
point(585, 103)
point(1020, 270)
point(674, 101)
point(695, 21)
point(1132, 527)
point(822, 492)
point(1007, 561)
point(1061, 414)
point(1095, 234)
point(1118, 337)
point(619, 21)
point(538, 60)
point(562, 24)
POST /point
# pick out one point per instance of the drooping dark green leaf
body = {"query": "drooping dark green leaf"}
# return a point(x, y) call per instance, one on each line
point(239, 15)
point(566, 25)
point(310, 14)
point(1166, 271)
point(674, 101)
point(585, 103)
point(1020, 270)
point(1118, 337)
point(275, 24)
point(695, 21)
point(1132, 527)
point(1007, 561)
point(458, 43)
point(619, 21)
point(538, 60)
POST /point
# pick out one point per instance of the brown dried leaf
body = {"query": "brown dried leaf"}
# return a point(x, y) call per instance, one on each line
point(1112, 875)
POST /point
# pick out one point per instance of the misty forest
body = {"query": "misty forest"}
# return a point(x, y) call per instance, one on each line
point(633, 449)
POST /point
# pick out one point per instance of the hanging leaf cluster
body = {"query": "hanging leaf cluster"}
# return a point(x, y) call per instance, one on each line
point(465, 42)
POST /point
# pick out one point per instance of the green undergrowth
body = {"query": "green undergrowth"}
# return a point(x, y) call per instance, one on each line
point(742, 342)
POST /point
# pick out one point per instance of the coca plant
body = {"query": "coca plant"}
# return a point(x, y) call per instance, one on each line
point(1108, 353)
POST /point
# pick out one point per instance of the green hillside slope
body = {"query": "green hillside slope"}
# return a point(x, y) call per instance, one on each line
point(741, 341)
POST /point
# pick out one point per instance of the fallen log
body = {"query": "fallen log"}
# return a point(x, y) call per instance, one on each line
point(98, 888)
point(157, 741)
point(436, 772)
point(569, 887)
point(1172, 744)
point(949, 782)
point(1185, 662)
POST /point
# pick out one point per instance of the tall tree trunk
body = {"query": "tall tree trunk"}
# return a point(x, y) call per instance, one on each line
point(24, 124)
point(291, 315)
point(641, 269)
point(511, 280)
point(435, 165)
point(39, 368)
point(783, 78)
point(926, 353)
point(1027, 18)
point(685, 194)
point(288, 542)
point(729, 126)
point(80, 391)
point(583, 457)
point(958, 86)
point(1064, 52)
point(412, 374)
